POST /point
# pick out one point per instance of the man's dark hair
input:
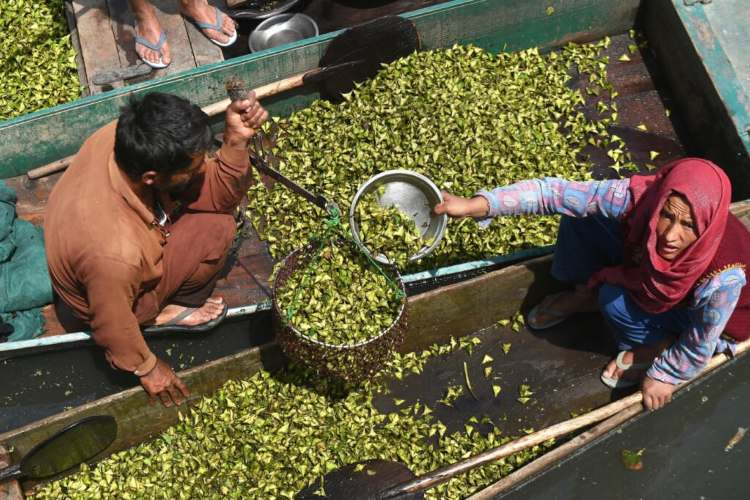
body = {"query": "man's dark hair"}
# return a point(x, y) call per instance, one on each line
point(160, 132)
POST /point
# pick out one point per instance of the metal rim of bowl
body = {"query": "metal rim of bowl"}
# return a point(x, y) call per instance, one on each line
point(370, 183)
point(270, 21)
point(304, 252)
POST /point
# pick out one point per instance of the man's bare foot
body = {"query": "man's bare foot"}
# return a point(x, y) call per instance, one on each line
point(149, 28)
point(556, 307)
point(201, 11)
point(211, 309)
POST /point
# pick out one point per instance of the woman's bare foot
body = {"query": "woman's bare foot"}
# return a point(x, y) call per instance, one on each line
point(201, 11)
point(554, 308)
point(149, 28)
point(211, 309)
point(644, 356)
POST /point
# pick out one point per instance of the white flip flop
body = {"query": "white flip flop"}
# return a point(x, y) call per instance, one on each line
point(622, 383)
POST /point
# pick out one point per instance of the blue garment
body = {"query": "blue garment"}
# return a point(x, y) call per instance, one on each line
point(586, 245)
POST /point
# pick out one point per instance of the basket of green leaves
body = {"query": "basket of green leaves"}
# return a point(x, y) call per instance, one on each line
point(337, 310)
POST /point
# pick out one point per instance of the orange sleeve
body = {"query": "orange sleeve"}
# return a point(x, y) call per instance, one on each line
point(111, 288)
point(226, 179)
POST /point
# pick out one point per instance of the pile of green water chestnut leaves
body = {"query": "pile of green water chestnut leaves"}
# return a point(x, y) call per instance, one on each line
point(37, 60)
point(388, 231)
point(463, 117)
point(466, 119)
point(271, 435)
point(323, 300)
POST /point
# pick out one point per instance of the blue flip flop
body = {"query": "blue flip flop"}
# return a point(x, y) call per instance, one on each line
point(214, 26)
point(139, 40)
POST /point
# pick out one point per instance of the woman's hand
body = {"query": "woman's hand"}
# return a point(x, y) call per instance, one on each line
point(456, 206)
point(243, 120)
point(655, 393)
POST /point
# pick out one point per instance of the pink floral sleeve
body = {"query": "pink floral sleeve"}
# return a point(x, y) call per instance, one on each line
point(713, 304)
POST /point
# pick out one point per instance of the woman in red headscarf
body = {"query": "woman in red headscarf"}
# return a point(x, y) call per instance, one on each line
point(659, 255)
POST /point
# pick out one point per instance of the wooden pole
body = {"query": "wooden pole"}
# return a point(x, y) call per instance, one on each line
point(554, 431)
point(568, 448)
point(214, 109)
point(552, 457)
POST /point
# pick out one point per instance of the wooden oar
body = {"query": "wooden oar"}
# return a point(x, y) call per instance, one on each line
point(353, 56)
point(374, 480)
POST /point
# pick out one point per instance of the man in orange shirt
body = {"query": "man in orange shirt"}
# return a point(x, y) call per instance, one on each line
point(141, 223)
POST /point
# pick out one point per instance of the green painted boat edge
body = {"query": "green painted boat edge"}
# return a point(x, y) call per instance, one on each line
point(24, 347)
point(493, 24)
point(718, 66)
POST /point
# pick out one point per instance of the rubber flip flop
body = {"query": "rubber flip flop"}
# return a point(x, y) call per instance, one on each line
point(215, 27)
point(172, 327)
point(622, 383)
point(544, 308)
point(139, 40)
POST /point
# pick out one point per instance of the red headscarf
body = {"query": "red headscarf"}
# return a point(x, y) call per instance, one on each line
point(654, 283)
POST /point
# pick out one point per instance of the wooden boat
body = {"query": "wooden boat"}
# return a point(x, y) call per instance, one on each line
point(69, 371)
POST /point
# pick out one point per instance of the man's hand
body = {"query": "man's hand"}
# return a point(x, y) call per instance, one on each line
point(243, 120)
point(655, 393)
point(162, 382)
point(456, 206)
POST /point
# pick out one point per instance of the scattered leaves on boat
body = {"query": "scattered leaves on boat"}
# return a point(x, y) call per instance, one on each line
point(524, 393)
point(506, 347)
point(633, 460)
point(738, 436)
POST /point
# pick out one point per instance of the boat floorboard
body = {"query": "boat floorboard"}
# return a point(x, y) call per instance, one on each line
point(639, 102)
point(106, 35)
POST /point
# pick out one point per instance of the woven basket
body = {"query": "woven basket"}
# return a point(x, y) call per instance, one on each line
point(351, 363)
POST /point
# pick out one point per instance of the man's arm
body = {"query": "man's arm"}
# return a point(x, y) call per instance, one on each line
point(111, 288)
point(226, 178)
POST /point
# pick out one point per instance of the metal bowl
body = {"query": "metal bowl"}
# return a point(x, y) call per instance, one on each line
point(280, 30)
point(412, 193)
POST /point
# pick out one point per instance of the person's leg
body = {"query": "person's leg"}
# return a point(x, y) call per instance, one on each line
point(201, 11)
point(641, 335)
point(584, 245)
point(149, 28)
point(195, 253)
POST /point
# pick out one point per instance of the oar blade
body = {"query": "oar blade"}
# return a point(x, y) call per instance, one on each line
point(372, 44)
point(69, 447)
point(361, 481)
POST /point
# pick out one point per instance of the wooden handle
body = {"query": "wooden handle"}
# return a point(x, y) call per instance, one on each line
point(261, 92)
point(50, 168)
point(214, 109)
point(558, 453)
point(445, 473)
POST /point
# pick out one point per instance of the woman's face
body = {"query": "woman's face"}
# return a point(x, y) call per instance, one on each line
point(675, 230)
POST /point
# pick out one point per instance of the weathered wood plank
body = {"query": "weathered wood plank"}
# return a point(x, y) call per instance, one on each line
point(96, 39)
point(122, 21)
point(204, 51)
point(179, 45)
